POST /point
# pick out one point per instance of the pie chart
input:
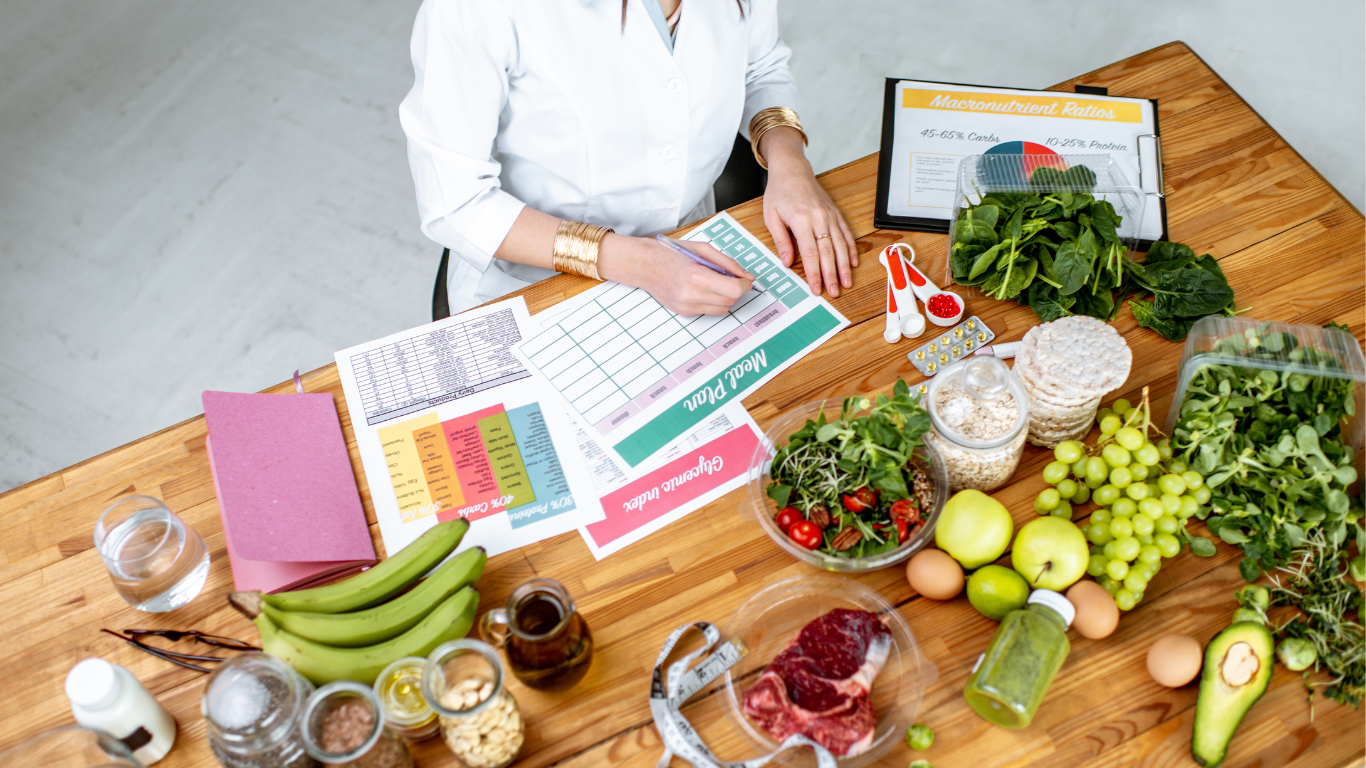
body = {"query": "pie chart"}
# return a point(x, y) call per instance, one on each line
point(1012, 162)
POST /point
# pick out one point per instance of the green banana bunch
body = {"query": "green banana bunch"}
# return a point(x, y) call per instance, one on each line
point(324, 663)
point(378, 623)
point(381, 582)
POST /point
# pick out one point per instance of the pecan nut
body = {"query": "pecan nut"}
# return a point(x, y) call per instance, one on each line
point(819, 515)
point(846, 538)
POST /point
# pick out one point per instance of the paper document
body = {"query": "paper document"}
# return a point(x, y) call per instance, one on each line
point(937, 124)
point(640, 376)
point(449, 424)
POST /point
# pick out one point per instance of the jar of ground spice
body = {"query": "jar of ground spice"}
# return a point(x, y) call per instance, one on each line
point(979, 413)
point(344, 725)
point(480, 722)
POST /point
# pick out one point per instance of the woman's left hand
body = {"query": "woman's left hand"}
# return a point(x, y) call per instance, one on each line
point(802, 218)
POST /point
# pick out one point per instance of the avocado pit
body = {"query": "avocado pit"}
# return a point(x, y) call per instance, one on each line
point(1240, 665)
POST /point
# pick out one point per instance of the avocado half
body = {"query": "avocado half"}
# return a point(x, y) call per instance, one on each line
point(1237, 670)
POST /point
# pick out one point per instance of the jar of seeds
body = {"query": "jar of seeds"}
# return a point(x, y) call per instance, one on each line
point(980, 417)
point(480, 722)
point(253, 707)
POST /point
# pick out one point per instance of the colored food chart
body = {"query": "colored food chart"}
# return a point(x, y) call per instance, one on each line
point(476, 465)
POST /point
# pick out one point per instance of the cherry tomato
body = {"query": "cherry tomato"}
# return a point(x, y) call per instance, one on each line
point(786, 517)
point(906, 510)
point(860, 500)
point(806, 534)
point(903, 532)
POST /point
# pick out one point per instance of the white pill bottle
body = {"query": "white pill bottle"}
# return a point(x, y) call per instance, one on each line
point(109, 698)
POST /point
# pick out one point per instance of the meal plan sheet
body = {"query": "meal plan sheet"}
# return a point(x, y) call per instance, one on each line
point(935, 125)
point(449, 424)
point(641, 377)
point(704, 464)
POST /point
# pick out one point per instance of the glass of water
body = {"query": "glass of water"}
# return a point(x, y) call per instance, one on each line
point(156, 561)
point(71, 746)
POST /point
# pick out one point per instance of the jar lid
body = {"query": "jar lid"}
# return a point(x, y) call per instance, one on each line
point(1056, 601)
point(93, 683)
point(971, 391)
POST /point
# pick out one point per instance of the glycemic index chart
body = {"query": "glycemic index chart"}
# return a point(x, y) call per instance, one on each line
point(622, 360)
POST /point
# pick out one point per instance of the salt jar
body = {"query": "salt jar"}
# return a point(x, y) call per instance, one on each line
point(253, 706)
point(480, 723)
point(979, 413)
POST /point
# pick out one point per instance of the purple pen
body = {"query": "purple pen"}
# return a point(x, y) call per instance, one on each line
point(677, 247)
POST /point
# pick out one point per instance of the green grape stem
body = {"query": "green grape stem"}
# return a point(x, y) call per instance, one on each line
point(1141, 412)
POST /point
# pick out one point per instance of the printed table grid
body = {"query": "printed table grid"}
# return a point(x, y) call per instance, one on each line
point(618, 353)
point(442, 365)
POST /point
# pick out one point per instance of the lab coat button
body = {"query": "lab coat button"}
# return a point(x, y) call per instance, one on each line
point(667, 151)
point(675, 85)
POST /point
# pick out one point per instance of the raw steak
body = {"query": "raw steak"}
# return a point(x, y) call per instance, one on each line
point(818, 685)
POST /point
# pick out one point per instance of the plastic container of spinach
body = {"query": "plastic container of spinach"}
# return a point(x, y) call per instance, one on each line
point(1316, 363)
point(982, 176)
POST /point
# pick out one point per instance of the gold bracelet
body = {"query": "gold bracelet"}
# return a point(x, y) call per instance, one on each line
point(768, 119)
point(576, 248)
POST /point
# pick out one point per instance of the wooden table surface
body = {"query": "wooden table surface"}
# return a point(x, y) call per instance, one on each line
point(1292, 248)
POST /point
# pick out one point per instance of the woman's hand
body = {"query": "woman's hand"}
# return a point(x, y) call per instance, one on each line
point(677, 282)
point(802, 218)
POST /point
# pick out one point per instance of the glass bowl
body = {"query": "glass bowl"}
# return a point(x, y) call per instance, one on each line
point(770, 620)
point(762, 509)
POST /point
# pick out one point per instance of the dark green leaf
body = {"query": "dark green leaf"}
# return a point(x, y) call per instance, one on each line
point(1171, 329)
point(779, 493)
point(1070, 268)
point(1202, 547)
point(1047, 303)
point(1190, 293)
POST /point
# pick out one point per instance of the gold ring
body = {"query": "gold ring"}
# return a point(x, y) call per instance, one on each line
point(827, 234)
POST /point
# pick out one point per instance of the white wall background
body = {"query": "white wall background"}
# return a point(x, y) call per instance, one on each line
point(209, 195)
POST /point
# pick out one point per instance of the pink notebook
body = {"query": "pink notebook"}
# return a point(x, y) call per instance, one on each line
point(291, 513)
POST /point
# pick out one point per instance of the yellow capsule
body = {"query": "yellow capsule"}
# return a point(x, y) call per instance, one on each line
point(943, 358)
point(932, 349)
point(920, 355)
point(930, 368)
point(956, 351)
point(981, 337)
point(944, 340)
point(972, 325)
point(958, 333)
point(923, 388)
point(968, 344)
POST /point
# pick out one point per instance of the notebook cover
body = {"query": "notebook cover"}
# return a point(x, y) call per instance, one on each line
point(286, 493)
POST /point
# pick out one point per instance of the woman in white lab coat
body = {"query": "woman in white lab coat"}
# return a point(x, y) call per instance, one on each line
point(536, 126)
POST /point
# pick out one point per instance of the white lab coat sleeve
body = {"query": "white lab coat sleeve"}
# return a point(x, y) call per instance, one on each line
point(463, 52)
point(768, 80)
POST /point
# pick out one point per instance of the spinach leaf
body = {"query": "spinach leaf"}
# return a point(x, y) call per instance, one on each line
point(1047, 303)
point(1071, 270)
point(1190, 292)
point(984, 261)
point(1165, 251)
point(1170, 328)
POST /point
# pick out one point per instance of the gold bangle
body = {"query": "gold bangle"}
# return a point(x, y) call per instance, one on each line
point(768, 119)
point(576, 248)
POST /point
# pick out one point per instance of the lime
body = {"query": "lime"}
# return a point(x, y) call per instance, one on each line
point(995, 590)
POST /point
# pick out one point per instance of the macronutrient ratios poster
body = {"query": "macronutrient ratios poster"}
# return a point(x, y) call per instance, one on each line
point(935, 125)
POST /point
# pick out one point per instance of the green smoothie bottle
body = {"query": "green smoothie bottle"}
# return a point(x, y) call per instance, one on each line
point(1011, 678)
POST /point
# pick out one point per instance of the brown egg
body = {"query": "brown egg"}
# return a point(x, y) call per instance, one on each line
point(1097, 614)
point(935, 574)
point(1174, 660)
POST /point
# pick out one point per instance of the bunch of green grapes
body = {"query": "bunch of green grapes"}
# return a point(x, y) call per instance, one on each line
point(1145, 498)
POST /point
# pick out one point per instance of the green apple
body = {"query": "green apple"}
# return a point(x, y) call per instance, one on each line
point(974, 528)
point(1051, 553)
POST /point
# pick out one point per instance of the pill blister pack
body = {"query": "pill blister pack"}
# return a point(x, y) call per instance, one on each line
point(950, 346)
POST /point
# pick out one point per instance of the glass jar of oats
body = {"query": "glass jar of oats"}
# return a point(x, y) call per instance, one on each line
point(980, 417)
point(480, 722)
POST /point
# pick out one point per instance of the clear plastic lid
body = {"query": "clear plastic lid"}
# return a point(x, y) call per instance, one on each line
point(965, 403)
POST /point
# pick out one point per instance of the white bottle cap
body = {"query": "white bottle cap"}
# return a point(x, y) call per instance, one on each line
point(93, 684)
point(1057, 602)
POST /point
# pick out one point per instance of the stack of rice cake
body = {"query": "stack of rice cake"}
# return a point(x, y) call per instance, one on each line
point(1067, 366)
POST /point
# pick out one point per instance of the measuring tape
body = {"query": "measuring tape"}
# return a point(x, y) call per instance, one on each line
point(679, 737)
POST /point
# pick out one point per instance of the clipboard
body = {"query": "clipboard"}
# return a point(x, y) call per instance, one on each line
point(936, 123)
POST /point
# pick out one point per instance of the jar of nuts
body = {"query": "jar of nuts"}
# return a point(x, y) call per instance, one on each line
point(343, 725)
point(979, 412)
point(480, 722)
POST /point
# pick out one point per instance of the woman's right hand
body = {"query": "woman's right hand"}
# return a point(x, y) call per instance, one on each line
point(682, 286)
